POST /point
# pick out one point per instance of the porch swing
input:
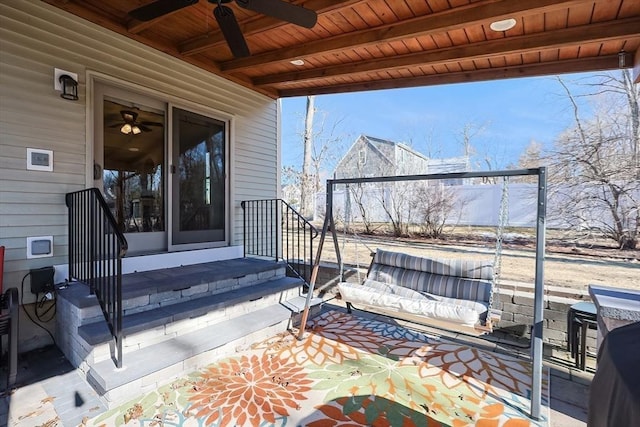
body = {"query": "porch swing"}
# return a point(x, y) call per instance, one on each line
point(452, 294)
point(538, 309)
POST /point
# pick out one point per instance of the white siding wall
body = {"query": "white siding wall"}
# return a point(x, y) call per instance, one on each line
point(35, 38)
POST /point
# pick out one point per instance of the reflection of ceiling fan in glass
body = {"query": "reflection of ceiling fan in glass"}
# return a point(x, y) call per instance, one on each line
point(131, 126)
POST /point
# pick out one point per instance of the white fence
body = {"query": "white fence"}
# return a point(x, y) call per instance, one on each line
point(477, 205)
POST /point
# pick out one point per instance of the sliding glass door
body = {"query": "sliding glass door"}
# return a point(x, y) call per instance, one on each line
point(199, 179)
point(129, 165)
point(163, 171)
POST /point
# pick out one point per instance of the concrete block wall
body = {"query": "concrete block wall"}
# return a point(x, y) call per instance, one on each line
point(516, 300)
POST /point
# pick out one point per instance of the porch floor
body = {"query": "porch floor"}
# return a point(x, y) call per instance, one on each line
point(52, 393)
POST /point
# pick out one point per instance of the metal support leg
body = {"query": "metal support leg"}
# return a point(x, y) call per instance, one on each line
point(583, 345)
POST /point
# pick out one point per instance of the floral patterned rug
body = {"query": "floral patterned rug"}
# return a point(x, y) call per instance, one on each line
point(347, 371)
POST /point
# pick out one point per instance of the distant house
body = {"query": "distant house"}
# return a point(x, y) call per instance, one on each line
point(369, 156)
point(450, 165)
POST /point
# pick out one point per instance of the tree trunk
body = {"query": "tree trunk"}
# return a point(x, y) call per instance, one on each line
point(307, 193)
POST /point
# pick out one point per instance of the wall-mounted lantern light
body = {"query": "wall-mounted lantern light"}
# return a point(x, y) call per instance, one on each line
point(67, 83)
point(69, 87)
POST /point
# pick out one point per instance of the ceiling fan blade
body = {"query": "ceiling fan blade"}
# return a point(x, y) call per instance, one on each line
point(158, 8)
point(151, 124)
point(231, 31)
point(144, 128)
point(282, 10)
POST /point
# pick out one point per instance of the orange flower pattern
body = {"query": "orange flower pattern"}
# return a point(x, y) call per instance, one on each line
point(347, 371)
point(249, 390)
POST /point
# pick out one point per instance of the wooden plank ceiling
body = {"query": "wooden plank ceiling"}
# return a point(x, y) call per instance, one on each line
point(361, 45)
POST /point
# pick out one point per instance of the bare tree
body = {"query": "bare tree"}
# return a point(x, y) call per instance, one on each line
point(365, 196)
point(594, 181)
point(358, 194)
point(321, 141)
point(395, 199)
point(434, 205)
point(307, 191)
point(531, 157)
point(467, 133)
point(328, 141)
point(626, 96)
point(291, 181)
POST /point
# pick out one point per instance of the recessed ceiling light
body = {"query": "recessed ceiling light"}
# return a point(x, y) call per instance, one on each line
point(297, 62)
point(504, 25)
point(134, 149)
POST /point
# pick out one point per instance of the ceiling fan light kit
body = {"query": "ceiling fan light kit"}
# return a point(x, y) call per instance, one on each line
point(129, 129)
point(126, 129)
point(131, 124)
point(229, 27)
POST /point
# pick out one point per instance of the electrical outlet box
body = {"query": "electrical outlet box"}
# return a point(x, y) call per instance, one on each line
point(42, 279)
point(39, 160)
point(39, 247)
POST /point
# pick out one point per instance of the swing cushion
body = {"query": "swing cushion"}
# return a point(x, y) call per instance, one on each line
point(464, 280)
point(404, 300)
point(455, 290)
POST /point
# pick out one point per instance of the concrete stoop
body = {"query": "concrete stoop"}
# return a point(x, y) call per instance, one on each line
point(176, 321)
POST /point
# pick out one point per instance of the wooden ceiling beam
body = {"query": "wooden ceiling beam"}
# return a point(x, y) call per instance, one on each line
point(440, 22)
point(577, 36)
point(530, 70)
point(215, 39)
point(134, 26)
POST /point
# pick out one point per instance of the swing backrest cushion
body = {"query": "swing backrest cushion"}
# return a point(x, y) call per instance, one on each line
point(468, 280)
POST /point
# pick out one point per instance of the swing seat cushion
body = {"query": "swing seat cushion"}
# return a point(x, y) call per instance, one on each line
point(448, 289)
point(464, 280)
point(404, 300)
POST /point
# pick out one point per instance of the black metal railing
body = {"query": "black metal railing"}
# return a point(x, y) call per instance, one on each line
point(274, 229)
point(96, 249)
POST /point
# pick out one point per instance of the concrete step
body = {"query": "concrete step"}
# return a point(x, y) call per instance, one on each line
point(146, 328)
point(158, 288)
point(177, 320)
point(98, 332)
point(152, 291)
point(150, 367)
point(149, 290)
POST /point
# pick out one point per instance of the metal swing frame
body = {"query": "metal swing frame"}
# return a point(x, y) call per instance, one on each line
point(538, 309)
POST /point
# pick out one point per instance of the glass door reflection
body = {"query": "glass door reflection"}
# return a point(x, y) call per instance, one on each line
point(199, 179)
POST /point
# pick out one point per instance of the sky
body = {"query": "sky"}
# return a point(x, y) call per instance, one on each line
point(504, 115)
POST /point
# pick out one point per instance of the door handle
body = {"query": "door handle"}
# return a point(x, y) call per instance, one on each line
point(97, 171)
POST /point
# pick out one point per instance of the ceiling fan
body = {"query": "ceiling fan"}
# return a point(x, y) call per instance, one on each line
point(279, 9)
point(131, 126)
